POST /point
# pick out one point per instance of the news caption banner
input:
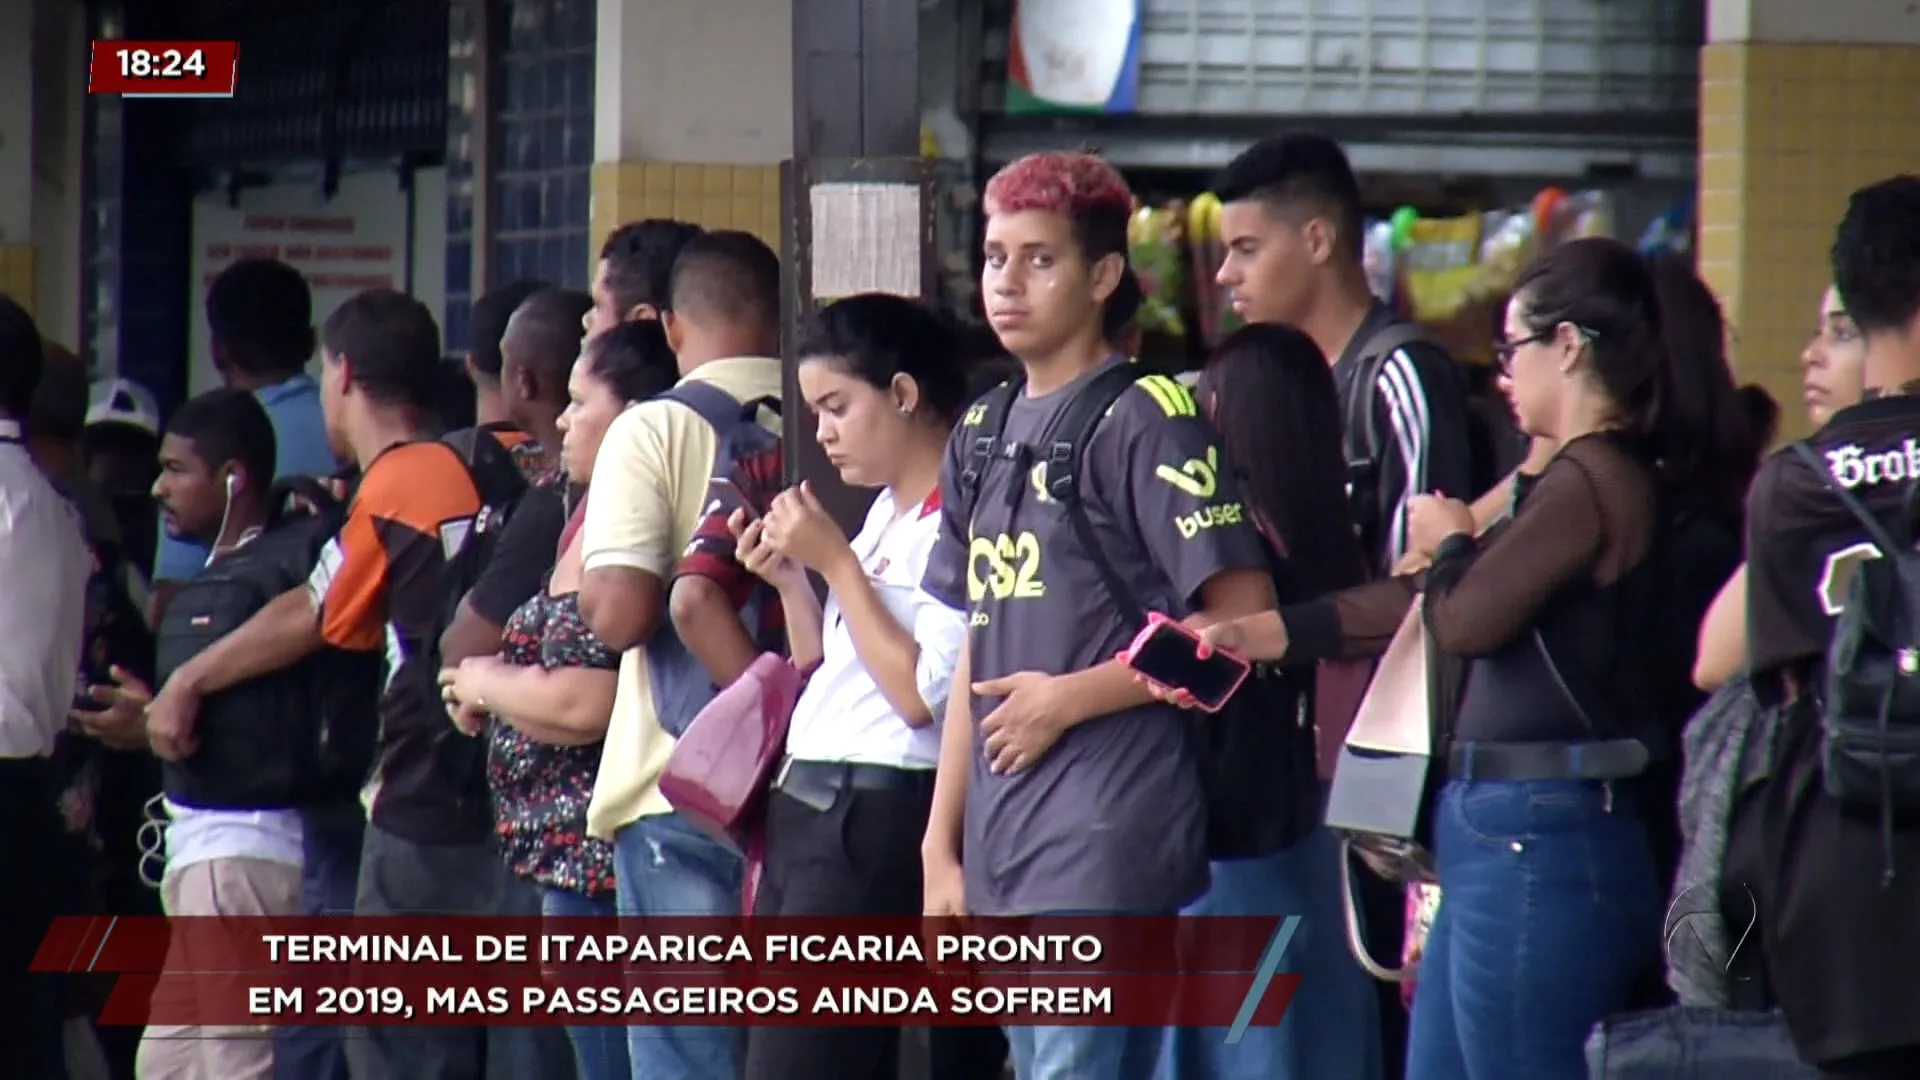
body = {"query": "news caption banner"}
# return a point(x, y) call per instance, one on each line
point(1106, 971)
point(164, 69)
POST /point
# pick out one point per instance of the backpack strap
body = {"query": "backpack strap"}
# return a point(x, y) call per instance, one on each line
point(1362, 429)
point(990, 425)
point(716, 406)
point(1062, 455)
point(1875, 531)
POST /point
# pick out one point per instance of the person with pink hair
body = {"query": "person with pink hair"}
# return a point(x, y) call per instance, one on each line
point(1067, 785)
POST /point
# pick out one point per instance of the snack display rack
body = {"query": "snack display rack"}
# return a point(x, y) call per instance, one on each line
point(1450, 274)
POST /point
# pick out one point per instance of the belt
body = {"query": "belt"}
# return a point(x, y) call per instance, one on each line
point(819, 783)
point(1608, 759)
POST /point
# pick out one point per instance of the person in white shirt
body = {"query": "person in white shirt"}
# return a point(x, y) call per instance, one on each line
point(850, 802)
point(44, 567)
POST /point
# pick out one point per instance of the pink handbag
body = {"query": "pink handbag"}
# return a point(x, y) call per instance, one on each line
point(723, 764)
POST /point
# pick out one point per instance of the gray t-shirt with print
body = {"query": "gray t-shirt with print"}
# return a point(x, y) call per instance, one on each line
point(1112, 818)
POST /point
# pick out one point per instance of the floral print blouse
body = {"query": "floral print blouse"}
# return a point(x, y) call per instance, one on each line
point(540, 790)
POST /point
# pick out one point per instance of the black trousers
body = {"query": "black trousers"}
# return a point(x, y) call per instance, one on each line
point(860, 856)
point(29, 844)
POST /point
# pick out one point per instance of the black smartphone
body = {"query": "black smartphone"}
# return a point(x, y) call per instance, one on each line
point(730, 498)
point(1168, 654)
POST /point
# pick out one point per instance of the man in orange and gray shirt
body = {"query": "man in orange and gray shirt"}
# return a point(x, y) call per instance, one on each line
point(377, 585)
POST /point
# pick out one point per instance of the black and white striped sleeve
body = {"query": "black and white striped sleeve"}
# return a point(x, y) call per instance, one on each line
point(1420, 401)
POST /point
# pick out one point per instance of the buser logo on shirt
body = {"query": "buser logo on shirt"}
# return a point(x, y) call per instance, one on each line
point(1207, 517)
point(1852, 466)
point(1198, 477)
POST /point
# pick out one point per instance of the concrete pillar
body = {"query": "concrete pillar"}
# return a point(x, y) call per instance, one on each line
point(692, 113)
point(1800, 103)
point(858, 211)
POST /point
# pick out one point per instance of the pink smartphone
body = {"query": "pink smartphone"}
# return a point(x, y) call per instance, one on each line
point(1167, 654)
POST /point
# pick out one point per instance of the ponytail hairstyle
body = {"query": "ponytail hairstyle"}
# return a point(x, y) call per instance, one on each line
point(633, 359)
point(1723, 448)
point(1680, 410)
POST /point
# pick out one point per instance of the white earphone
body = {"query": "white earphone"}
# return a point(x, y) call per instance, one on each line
point(233, 481)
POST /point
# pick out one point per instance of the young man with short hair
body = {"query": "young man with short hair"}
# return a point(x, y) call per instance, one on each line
point(1292, 222)
point(1832, 886)
point(538, 346)
point(634, 277)
point(487, 325)
point(428, 847)
point(215, 461)
point(650, 490)
point(1063, 785)
point(260, 326)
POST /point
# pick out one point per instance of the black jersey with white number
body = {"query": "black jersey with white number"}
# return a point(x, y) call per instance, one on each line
point(1802, 544)
point(1803, 874)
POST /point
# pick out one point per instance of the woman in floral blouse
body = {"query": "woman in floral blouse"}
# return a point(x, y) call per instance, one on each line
point(551, 687)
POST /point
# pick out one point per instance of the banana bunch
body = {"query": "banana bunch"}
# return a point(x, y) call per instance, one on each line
point(1203, 219)
point(1206, 252)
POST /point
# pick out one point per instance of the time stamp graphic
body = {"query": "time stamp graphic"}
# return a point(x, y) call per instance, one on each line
point(164, 69)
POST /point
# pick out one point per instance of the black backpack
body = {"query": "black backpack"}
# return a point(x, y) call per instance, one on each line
point(1870, 706)
point(1256, 755)
point(295, 737)
point(498, 479)
point(1360, 430)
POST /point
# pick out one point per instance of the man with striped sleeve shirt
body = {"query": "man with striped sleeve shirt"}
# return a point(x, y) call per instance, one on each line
point(1291, 223)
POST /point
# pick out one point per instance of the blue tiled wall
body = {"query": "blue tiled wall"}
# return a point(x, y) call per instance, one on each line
point(464, 70)
point(544, 149)
point(137, 270)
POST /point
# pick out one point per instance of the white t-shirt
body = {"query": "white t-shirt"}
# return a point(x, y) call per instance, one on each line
point(842, 715)
point(195, 836)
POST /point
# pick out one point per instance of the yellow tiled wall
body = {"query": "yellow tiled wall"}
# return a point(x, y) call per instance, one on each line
point(745, 197)
point(17, 274)
point(1786, 133)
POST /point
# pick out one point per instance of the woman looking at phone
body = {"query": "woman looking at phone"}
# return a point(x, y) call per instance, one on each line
point(551, 687)
point(849, 806)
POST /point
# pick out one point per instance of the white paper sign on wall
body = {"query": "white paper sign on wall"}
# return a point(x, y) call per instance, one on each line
point(357, 240)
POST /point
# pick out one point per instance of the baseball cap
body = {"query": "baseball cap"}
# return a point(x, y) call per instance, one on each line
point(124, 402)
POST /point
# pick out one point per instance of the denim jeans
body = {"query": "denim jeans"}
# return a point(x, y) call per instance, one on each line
point(1550, 911)
point(1332, 1027)
point(666, 866)
point(1086, 1053)
point(600, 1050)
point(328, 878)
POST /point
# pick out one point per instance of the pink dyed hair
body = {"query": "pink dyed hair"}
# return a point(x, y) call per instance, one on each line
point(1078, 186)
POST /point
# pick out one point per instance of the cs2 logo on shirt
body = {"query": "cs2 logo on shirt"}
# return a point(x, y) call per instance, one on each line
point(1004, 567)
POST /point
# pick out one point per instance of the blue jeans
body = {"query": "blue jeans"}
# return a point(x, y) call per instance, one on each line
point(1332, 1027)
point(600, 1050)
point(1550, 910)
point(666, 866)
point(329, 875)
point(1085, 1053)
